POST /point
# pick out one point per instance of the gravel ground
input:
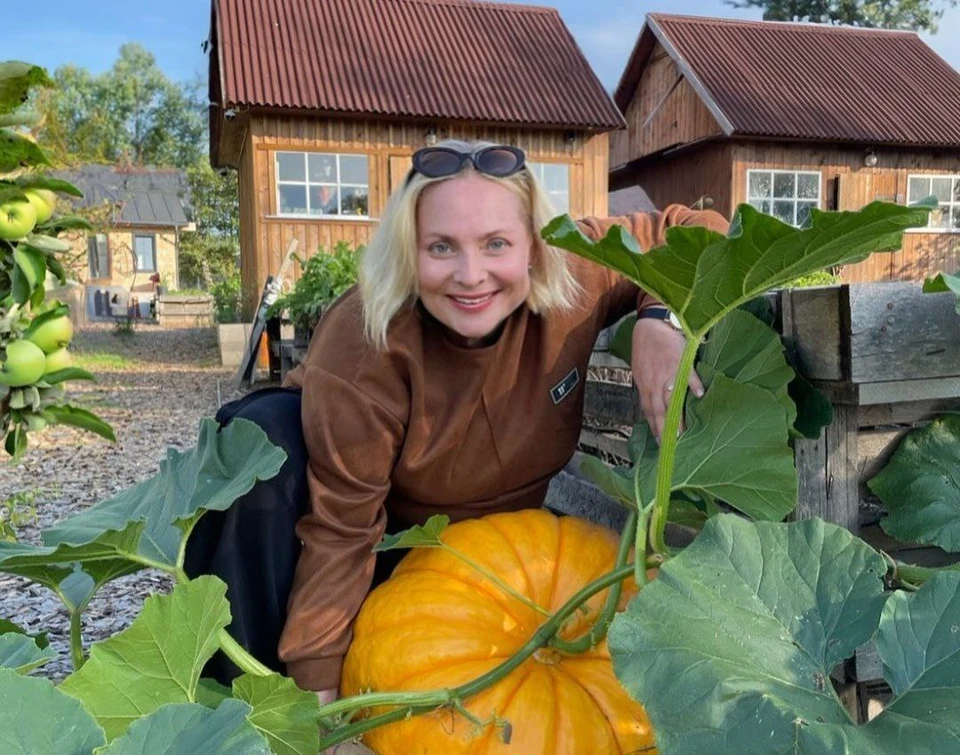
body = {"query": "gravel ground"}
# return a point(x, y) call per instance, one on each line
point(154, 397)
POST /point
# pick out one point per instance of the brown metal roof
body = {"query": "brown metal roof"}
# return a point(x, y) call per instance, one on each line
point(808, 81)
point(444, 59)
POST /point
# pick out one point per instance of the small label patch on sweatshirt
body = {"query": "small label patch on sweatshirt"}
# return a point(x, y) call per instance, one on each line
point(560, 391)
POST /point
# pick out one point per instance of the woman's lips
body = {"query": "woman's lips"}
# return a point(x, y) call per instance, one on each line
point(472, 303)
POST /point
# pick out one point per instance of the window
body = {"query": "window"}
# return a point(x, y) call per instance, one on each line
point(555, 178)
point(144, 248)
point(947, 191)
point(322, 184)
point(98, 262)
point(788, 195)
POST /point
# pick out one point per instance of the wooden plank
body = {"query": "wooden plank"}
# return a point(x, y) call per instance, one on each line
point(615, 445)
point(826, 472)
point(812, 325)
point(912, 391)
point(610, 403)
point(874, 449)
point(905, 412)
point(900, 333)
point(572, 495)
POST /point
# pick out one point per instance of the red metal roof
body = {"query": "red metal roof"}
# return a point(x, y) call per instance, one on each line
point(809, 81)
point(444, 59)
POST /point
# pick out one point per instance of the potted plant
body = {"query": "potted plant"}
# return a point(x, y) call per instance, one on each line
point(323, 277)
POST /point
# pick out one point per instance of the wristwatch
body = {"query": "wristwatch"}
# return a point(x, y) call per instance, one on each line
point(660, 313)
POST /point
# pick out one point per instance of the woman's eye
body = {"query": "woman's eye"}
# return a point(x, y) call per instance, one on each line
point(497, 244)
point(440, 248)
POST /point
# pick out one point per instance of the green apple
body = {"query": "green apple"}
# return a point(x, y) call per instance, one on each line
point(53, 334)
point(17, 219)
point(58, 360)
point(44, 201)
point(24, 364)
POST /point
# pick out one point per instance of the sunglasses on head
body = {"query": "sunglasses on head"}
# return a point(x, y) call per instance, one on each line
point(439, 162)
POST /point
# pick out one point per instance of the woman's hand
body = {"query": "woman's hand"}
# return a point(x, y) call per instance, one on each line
point(657, 349)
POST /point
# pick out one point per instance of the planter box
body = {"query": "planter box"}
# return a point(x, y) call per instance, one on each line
point(233, 338)
point(185, 311)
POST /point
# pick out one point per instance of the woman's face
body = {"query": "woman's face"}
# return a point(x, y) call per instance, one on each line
point(473, 254)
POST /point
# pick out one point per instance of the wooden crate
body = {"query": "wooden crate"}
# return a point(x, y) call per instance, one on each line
point(185, 311)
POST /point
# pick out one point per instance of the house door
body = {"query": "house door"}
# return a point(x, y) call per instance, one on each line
point(856, 190)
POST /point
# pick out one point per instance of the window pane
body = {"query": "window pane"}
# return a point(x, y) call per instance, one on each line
point(956, 189)
point(917, 189)
point(143, 247)
point(293, 200)
point(323, 200)
point(783, 211)
point(941, 188)
point(353, 169)
point(940, 217)
point(353, 201)
point(290, 166)
point(556, 178)
point(560, 200)
point(323, 168)
point(956, 218)
point(803, 211)
point(763, 205)
point(759, 184)
point(784, 185)
point(808, 186)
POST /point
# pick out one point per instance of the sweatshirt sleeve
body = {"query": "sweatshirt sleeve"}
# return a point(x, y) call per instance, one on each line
point(353, 442)
point(649, 229)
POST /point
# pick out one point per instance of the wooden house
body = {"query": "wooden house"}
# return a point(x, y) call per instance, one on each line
point(788, 116)
point(319, 105)
point(139, 214)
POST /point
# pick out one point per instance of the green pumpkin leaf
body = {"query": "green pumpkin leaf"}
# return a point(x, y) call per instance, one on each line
point(285, 714)
point(155, 661)
point(701, 275)
point(943, 283)
point(814, 411)
point(418, 536)
point(29, 706)
point(621, 345)
point(149, 520)
point(188, 729)
point(17, 151)
point(211, 693)
point(920, 486)
point(730, 649)
point(65, 414)
point(16, 81)
point(22, 653)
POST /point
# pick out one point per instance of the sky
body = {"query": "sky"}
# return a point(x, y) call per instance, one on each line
point(88, 33)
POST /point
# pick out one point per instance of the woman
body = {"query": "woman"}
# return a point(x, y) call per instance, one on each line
point(449, 381)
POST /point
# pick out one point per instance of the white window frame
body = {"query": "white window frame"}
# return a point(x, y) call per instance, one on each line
point(950, 207)
point(537, 168)
point(795, 199)
point(307, 184)
point(136, 255)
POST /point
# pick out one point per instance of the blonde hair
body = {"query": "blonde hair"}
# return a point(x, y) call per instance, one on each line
point(388, 269)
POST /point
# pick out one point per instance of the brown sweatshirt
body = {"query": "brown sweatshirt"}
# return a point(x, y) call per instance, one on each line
point(430, 427)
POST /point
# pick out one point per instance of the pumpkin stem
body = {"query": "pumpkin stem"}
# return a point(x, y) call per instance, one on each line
point(496, 580)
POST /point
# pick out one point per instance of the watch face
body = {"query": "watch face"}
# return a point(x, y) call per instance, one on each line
point(675, 321)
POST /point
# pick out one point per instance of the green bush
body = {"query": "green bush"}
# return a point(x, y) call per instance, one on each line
point(819, 278)
point(227, 299)
point(323, 278)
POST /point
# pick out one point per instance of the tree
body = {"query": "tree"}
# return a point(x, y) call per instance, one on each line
point(915, 15)
point(132, 113)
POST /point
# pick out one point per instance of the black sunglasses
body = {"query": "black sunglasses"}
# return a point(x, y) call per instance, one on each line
point(438, 162)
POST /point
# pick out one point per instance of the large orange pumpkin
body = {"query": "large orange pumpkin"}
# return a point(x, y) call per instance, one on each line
point(438, 623)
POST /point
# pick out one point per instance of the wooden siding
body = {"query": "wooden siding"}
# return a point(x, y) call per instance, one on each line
point(264, 235)
point(664, 112)
point(844, 176)
point(685, 178)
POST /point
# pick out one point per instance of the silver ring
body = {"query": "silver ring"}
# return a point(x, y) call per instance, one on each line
point(669, 388)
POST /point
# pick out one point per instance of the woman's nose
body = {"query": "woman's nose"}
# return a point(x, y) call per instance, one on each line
point(470, 271)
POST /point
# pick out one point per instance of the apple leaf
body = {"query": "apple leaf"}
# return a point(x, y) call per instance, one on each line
point(192, 728)
point(701, 275)
point(418, 536)
point(65, 414)
point(730, 649)
point(46, 244)
point(16, 81)
point(11, 193)
point(73, 373)
point(58, 185)
point(57, 225)
point(285, 714)
point(36, 717)
point(157, 660)
point(32, 264)
point(17, 151)
point(920, 485)
point(22, 653)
